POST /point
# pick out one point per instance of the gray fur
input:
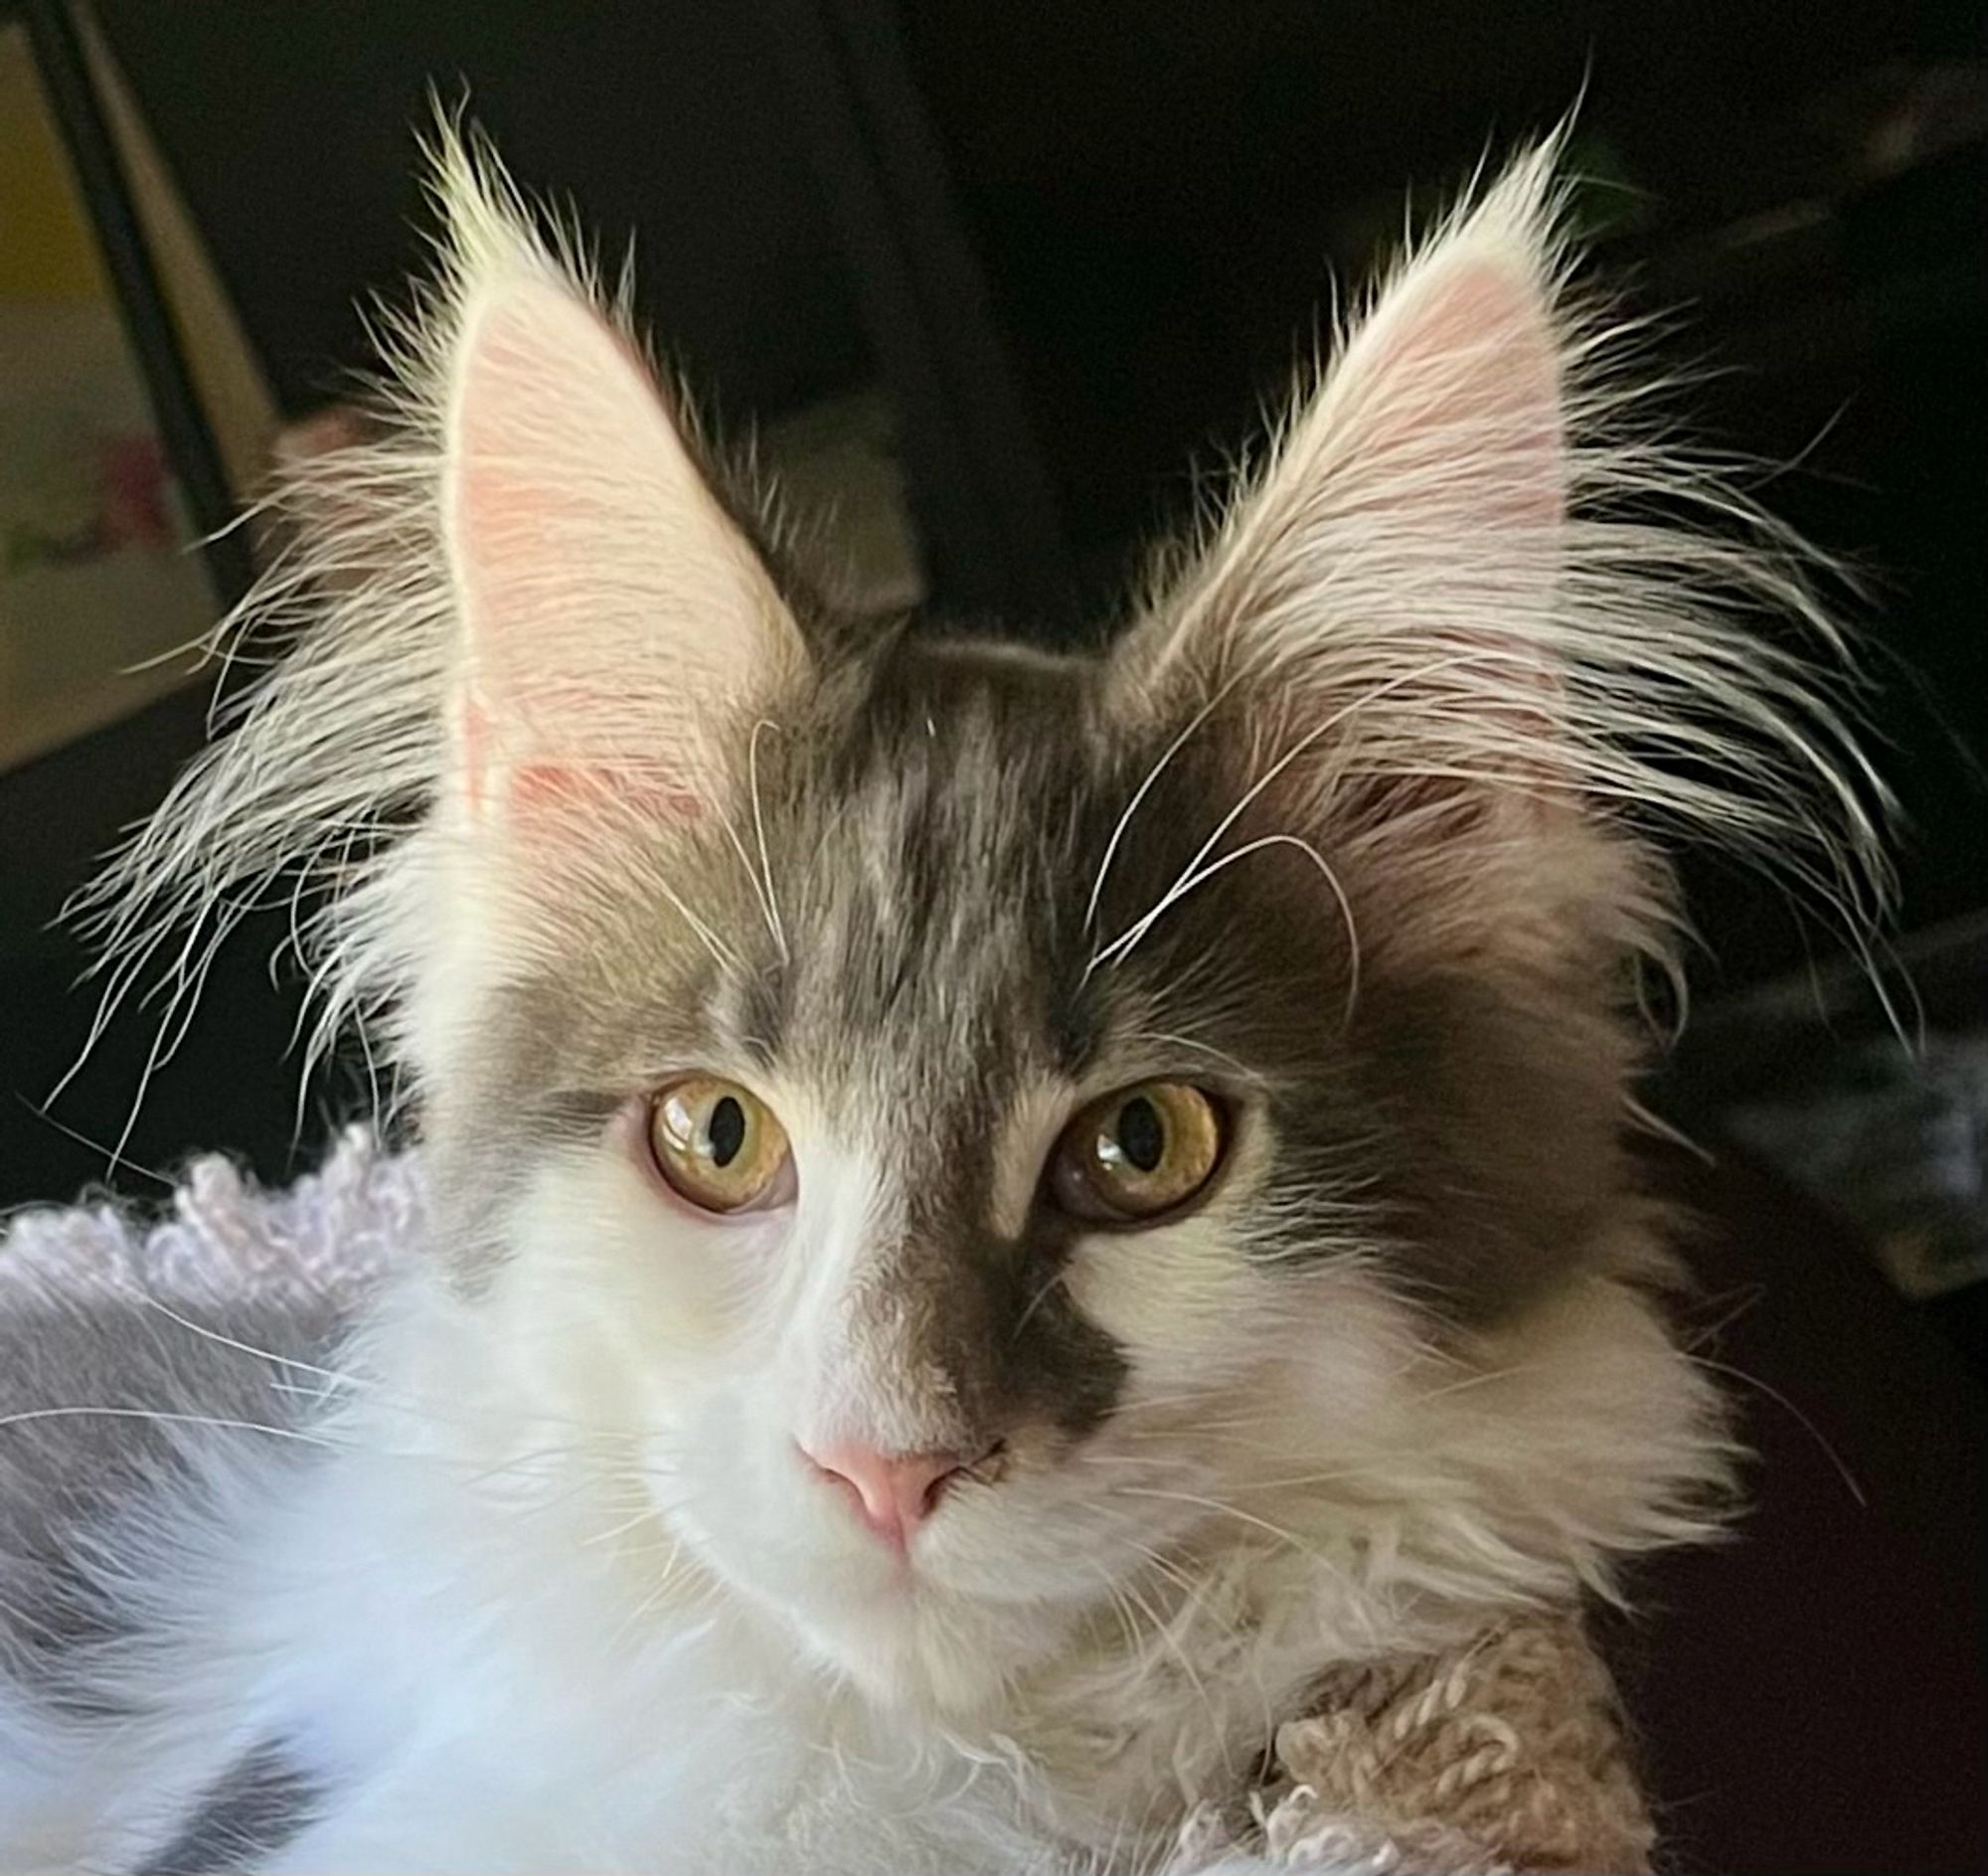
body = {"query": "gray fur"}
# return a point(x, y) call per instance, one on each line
point(257, 1808)
point(103, 1405)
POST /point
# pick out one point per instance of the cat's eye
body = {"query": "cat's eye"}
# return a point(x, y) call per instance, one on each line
point(1139, 1153)
point(718, 1146)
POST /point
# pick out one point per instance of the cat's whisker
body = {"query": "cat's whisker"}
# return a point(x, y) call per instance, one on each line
point(1124, 1593)
point(221, 1340)
point(667, 1582)
point(1139, 795)
point(1188, 1585)
point(1145, 1404)
point(1838, 1463)
point(1121, 1609)
point(1043, 1292)
point(1184, 887)
point(162, 1416)
point(326, 1437)
point(1225, 1509)
point(751, 872)
point(721, 952)
point(112, 1157)
point(668, 1541)
point(338, 1382)
point(759, 835)
point(1126, 939)
point(1166, 1040)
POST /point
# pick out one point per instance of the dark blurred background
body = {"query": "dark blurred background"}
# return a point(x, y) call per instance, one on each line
point(997, 277)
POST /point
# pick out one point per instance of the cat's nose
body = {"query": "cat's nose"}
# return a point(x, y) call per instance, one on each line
point(895, 1492)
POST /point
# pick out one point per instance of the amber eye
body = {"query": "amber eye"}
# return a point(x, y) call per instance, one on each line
point(1137, 1153)
point(718, 1146)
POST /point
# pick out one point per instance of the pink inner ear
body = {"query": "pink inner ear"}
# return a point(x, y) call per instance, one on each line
point(1458, 419)
point(612, 616)
point(1463, 379)
point(544, 795)
point(547, 421)
point(544, 791)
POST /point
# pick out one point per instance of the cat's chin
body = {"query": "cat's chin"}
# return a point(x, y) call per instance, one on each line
point(927, 1649)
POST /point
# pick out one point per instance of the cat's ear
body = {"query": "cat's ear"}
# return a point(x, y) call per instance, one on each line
point(614, 617)
point(1396, 558)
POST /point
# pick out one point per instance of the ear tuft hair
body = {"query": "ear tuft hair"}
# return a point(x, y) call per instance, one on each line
point(1464, 559)
point(1467, 563)
point(427, 653)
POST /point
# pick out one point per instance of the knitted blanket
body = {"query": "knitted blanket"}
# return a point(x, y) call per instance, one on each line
point(1506, 1755)
point(1505, 1758)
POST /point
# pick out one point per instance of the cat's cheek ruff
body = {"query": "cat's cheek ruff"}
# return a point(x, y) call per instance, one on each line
point(638, 1306)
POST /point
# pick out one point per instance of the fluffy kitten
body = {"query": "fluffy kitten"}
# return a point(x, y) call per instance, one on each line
point(997, 1212)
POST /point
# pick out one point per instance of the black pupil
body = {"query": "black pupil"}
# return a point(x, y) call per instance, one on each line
point(727, 1131)
point(1141, 1137)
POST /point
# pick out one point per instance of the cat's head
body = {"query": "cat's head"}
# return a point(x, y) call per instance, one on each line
point(995, 1123)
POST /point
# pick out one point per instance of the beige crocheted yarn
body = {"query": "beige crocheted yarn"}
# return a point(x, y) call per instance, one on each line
point(1506, 1757)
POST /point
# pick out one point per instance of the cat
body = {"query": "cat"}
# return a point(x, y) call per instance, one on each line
point(997, 1212)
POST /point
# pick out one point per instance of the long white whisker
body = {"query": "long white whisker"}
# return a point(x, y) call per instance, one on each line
point(1368, 701)
point(1139, 795)
point(759, 835)
point(752, 876)
point(28, 1415)
point(1225, 1509)
point(1185, 887)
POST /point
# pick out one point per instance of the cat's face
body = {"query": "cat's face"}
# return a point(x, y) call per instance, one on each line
point(986, 1127)
point(908, 1162)
point(865, 1117)
point(981, 1133)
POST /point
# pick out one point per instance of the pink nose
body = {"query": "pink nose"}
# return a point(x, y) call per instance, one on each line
point(894, 1494)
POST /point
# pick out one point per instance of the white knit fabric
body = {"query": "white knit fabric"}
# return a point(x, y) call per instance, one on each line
point(331, 1234)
